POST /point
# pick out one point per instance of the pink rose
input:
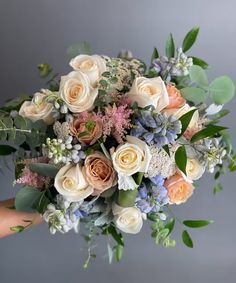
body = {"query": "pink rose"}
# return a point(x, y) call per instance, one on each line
point(99, 172)
point(179, 190)
point(87, 127)
point(175, 98)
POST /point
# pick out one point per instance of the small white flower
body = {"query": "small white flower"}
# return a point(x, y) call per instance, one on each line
point(213, 109)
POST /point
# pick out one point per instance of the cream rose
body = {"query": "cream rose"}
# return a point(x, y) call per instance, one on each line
point(194, 169)
point(147, 92)
point(132, 157)
point(178, 112)
point(77, 92)
point(70, 182)
point(127, 219)
point(93, 66)
point(37, 109)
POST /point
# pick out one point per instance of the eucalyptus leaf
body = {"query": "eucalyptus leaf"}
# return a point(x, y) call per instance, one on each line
point(79, 48)
point(181, 158)
point(187, 239)
point(27, 199)
point(222, 90)
point(196, 223)
point(170, 46)
point(194, 94)
point(209, 131)
point(198, 76)
point(44, 169)
point(190, 38)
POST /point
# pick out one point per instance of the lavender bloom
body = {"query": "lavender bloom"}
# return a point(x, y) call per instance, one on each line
point(156, 128)
point(152, 195)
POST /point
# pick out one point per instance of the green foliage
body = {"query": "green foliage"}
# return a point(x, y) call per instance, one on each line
point(199, 62)
point(6, 149)
point(30, 199)
point(187, 239)
point(17, 229)
point(185, 120)
point(119, 252)
point(208, 131)
point(44, 169)
point(161, 232)
point(127, 198)
point(155, 54)
point(198, 76)
point(181, 158)
point(217, 188)
point(170, 46)
point(190, 39)
point(44, 70)
point(194, 94)
point(170, 225)
point(196, 223)
point(79, 48)
point(222, 90)
point(15, 103)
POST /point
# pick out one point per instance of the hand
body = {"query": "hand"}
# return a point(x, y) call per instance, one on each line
point(9, 217)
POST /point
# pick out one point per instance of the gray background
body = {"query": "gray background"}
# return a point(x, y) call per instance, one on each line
point(36, 31)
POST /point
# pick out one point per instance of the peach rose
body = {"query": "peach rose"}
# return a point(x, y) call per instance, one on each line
point(89, 126)
point(179, 190)
point(99, 172)
point(175, 98)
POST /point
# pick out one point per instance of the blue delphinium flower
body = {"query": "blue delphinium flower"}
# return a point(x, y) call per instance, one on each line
point(152, 195)
point(156, 128)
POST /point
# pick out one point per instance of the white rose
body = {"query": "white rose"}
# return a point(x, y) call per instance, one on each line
point(93, 66)
point(147, 92)
point(127, 219)
point(132, 157)
point(178, 112)
point(37, 109)
point(194, 169)
point(77, 92)
point(70, 183)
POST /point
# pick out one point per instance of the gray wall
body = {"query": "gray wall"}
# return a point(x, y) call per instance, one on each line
point(38, 31)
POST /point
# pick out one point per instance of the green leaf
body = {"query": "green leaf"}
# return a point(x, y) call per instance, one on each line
point(44, 70)
point(200, 62)
point(181, 158)
point(119, 252)
point(44, 169)
point(185, 120)
point(196, 223)
point(127, 198)
point(166, 149)
point(194, 94)
point(116, 236)
point(190, 38)
point(21, 122)
point(207, 132)
point(198, 76)
point(79, 48)
point(217, 188)
point(170, 225)
point(187, 239)
point(155, 54)
point(153, 216)
point(6, 149)
point(222, 90)
point(17, 229)
point(170, 46)
point(27, 199)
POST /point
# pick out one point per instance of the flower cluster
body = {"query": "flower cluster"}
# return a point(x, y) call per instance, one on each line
point(119, 144)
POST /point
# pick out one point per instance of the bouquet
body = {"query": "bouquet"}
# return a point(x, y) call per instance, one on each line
point(112, 143)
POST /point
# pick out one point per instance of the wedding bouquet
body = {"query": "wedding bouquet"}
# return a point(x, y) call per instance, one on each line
point(112, 144)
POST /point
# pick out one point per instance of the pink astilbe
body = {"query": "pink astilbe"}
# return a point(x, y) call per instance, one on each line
point(30, 178)
point(116, 121)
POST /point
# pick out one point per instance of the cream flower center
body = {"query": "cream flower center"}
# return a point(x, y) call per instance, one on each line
point(69, 184)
